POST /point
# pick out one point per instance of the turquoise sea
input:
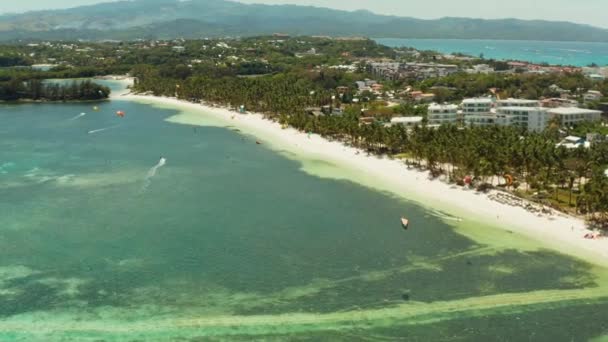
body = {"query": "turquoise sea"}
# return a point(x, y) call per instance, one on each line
point(562, 53)
point(229, 240)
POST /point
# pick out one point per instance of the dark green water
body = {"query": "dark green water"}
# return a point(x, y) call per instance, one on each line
point(232, 241)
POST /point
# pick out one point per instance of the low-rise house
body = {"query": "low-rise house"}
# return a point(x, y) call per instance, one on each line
point(557, 89)
point(558, 102)
point(480, 69)
point(377, 87)
point(574, 142)
point(596, 77)
point(426, 98)
point(361, 85)
point(407, 121)
point(419, 96)
point(592, 95)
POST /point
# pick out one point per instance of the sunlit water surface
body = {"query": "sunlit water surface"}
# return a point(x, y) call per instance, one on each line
point(230, 240)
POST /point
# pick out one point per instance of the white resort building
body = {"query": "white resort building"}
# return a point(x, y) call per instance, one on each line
point(479, 112)
point(442, 114)
point(527, 114)
point(477, 106)
point(568, 116)
point(534, 119)
point(517, 103)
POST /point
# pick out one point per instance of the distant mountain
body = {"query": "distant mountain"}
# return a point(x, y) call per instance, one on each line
point(206, 18)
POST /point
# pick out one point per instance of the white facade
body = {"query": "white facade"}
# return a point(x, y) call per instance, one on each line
point(517, 103)
point(570, 115)
point(478, 112)
point(442, 114)
point(476, 106)
point(534, 119)
point(489, 119)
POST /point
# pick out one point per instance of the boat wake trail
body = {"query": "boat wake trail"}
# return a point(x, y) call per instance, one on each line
point(152, 173)
point(102, 129)
point(78, 116)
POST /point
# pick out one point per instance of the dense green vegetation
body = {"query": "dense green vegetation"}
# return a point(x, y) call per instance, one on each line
point(10, 61)
point(37, 90)
point(528, 86)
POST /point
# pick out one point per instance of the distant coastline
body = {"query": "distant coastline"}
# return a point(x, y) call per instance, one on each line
point(578, 54)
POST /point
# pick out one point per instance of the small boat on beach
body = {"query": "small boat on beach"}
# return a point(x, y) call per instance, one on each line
point(405, 223)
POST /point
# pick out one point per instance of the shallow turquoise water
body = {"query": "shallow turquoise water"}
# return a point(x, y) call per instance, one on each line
point(564, 53)
point(232, 240)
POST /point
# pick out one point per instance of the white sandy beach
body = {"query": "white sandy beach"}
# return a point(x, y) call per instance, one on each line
point(559, 232)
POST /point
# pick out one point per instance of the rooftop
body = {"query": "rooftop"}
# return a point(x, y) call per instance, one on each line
point(533, 108)
point(436, 106)
point(478, 100)
point(512, 100)
point(572, 110)
point(407, 119)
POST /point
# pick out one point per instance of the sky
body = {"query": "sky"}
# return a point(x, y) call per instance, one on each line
point(581, 11)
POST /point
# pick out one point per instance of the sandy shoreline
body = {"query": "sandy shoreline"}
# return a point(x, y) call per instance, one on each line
point(559, 232)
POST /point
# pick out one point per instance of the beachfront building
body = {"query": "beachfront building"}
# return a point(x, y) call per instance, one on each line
point(442, 114)
point(476, 106)
point(569, 116)
point(510, 102)
point(479, 112)
point(488, 119)
point(533, 119)
point(526, 114)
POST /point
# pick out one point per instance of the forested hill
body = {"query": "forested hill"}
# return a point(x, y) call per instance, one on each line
point(207, 18)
